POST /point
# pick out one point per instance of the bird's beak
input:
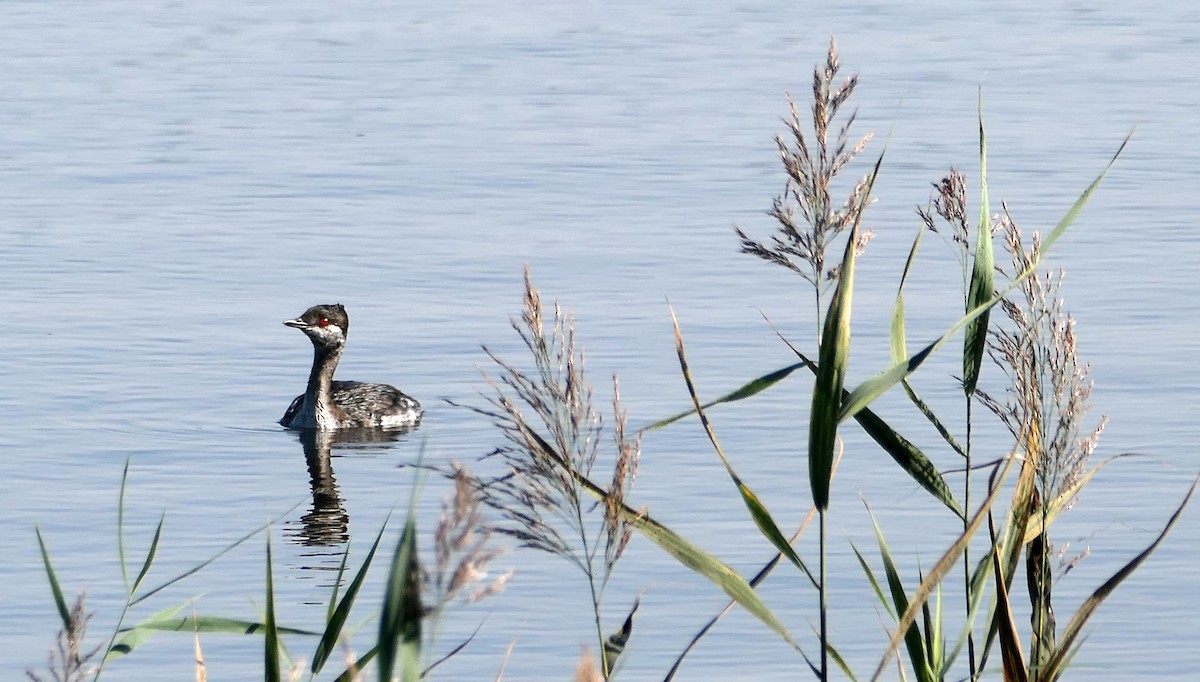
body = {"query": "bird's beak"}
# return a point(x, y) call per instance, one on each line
point(297, 323)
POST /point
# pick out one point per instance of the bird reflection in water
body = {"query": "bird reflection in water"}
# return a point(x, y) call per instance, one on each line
point(326, 524)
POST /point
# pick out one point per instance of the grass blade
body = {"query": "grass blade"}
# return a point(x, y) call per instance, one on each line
point(138, 634)
point(982, 287)
point(749, 389)
point(1011, 656)
point(400, 623)
point(200, 566)
point(149, 556)
point(339, 614)
point(896, 335)
point(834, 353)
point(271, 640)
point(59, 602)
point(121, 527)
point(758, 511)
point(214, 625)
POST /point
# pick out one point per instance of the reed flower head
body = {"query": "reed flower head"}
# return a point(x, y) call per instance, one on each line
point(808, 218)
point(553, 435)
point(68, 662)
point(1049, 388)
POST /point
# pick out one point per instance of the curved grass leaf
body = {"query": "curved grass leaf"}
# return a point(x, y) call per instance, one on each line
point(982, 286)
point(877, 385)
point(55, 589)
point(833, 355)
point(896, 334)
point(200, 566)
point(758, 511)
point(341, 612)
point(213, 625)
point(751, 388)
point(1011, 656)
point(271, 640)
point(400, 623)
point(138, 634)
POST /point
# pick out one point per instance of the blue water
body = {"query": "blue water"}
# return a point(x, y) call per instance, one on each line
point(176, 179)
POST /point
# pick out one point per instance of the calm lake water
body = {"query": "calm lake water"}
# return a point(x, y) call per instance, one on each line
point(177, 178)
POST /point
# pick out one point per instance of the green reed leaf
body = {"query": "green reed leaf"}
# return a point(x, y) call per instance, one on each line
point(896, 335)
point(982, 286)
point(60, 602)
point(749, 389)
point(213, 625)
point(400, 623)
point(140, 633)
point(758, 511)
point(270, 629)
point(831, 373)
point(341, 612)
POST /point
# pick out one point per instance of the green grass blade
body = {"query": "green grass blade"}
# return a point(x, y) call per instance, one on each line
point(896, 334)
point(400, 623)
point(215, 625)
point(904, 452)
point(339, 614)
point(833, 356)
point(866, 567)
point(751, 388)
point(121, 528)
point(932, 418)
point(831, 374)
point(908, 456)
point(335, 590)
point(149, 556)
point(60, 602)
point(138, 634)
point(758, 511)
point(1075, 209)
point(1054, 667)
point(200, 566)
point(271, 639)
point(982, 287)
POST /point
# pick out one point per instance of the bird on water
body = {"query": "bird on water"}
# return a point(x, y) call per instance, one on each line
point(327, 404)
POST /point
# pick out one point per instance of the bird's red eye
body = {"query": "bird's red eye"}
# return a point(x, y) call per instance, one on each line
point(324, 322)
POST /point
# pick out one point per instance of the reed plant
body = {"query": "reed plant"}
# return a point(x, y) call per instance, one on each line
point(561, 481)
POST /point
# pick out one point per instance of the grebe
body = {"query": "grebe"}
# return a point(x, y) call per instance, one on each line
point(329, 404)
